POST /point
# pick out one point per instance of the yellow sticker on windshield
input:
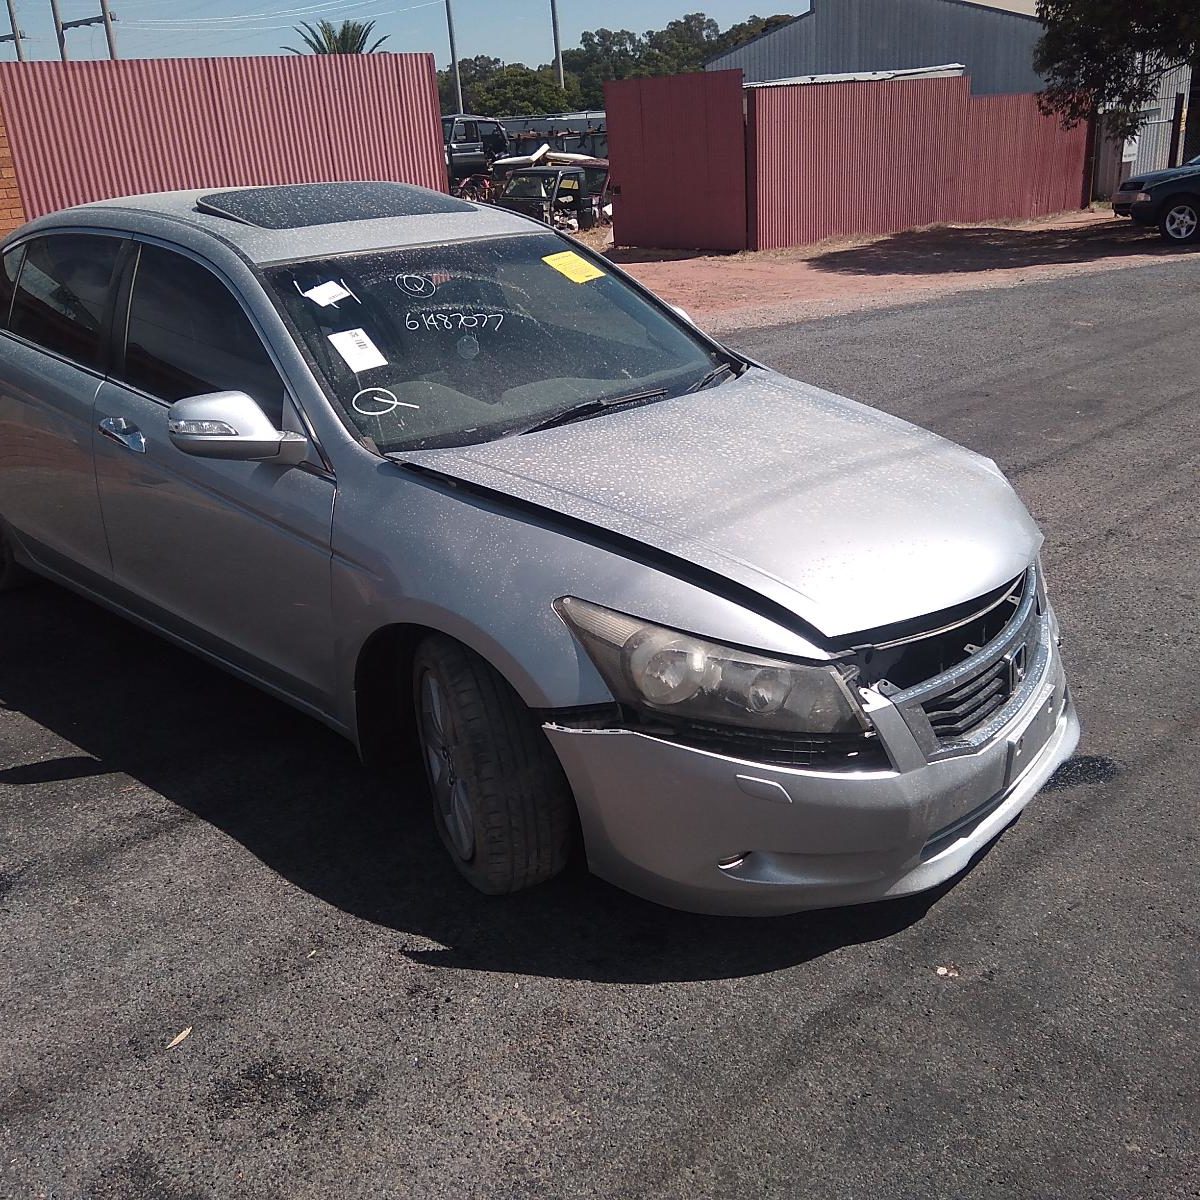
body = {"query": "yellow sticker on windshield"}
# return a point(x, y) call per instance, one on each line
point(574, 266)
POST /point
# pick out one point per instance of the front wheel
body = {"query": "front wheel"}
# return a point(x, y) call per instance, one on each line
point(501, 803)
point(1180, 222)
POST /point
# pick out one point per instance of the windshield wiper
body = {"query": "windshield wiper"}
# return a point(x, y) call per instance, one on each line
point(713, 375)
point(588, 408)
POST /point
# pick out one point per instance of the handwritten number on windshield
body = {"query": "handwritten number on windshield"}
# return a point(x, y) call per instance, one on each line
point(452, 320)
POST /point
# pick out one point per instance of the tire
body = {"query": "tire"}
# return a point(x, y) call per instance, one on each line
point(1180, 220)
point(11, 575)
point(501, 803)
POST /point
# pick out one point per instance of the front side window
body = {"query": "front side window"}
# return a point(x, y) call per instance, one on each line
point(62, 294)
point(452, 344)
point(188, 335)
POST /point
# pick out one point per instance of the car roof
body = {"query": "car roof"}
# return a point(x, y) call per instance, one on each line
point(289, 221)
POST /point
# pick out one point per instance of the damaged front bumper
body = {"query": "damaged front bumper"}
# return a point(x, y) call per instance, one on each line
point(705, 832)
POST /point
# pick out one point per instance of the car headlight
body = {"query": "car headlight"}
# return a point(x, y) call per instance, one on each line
point(674, 673)
point(1142, 198)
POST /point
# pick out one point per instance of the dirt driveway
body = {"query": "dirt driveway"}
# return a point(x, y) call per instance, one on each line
point(775, 287)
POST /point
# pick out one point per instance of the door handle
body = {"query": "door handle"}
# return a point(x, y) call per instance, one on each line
point(124, 433)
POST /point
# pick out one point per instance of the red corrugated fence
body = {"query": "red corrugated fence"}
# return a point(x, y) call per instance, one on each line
point(830, 160)
point(85, 131)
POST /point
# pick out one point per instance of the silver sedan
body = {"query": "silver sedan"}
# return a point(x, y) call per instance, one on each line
point(453, 484)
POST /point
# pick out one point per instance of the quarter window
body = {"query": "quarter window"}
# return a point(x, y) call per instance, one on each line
point(188, 335)
point(62, 293)
point(8, 282)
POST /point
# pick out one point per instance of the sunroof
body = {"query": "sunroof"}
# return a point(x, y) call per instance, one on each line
point(297, 205)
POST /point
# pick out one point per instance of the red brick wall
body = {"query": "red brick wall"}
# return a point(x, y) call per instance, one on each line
point(12, 211)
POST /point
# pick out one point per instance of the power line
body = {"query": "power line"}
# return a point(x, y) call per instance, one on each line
point(239, 20)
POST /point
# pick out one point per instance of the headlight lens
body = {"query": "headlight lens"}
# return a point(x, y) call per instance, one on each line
point(674, 673)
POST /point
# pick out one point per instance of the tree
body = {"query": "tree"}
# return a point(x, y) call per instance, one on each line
point(604, 54)
point(325, 37)
point(749, 30)
point(1109, 55)
point(517, 89)
point(683, 45)
point(474, 72)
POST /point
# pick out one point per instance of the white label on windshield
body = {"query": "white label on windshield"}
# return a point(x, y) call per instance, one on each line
point(326, 294)
point(360, 353)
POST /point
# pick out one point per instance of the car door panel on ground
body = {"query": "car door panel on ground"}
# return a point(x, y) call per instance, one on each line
point(233, 556)
point(55, 295)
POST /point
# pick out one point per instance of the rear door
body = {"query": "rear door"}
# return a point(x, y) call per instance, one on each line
point(57, 301)
point(233, 556)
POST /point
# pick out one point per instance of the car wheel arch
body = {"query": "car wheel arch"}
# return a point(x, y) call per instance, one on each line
point(383, 696)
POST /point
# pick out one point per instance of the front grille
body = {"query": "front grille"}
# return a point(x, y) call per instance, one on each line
point(955, 713)
point(824, 751)
point(947, 710)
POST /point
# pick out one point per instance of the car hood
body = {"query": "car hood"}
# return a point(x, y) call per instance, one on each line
point(1152, 177)
point(848, 517)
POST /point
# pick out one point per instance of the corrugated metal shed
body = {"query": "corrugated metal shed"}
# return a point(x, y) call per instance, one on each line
point(85, 131)
point(884, 35)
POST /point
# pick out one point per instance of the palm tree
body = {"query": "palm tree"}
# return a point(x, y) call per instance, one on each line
point(327, 38)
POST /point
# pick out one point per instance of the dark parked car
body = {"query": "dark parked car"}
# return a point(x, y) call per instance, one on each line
point(1168, 199)
point(471, 143)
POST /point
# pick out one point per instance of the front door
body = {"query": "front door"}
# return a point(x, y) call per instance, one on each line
point(233, 556)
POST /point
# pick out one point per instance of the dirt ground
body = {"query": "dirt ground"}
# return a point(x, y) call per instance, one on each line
point(724, 291)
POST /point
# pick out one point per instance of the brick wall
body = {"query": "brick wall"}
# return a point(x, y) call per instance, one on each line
point(12, 211)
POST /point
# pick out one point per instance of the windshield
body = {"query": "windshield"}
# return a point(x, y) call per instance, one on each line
point(451, 344)
point(528, 187)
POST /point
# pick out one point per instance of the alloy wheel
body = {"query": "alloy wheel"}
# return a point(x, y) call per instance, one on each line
point(1180, 223)
point(439, 743)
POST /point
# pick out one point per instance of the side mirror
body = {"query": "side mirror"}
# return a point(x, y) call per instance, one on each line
point(230, 425)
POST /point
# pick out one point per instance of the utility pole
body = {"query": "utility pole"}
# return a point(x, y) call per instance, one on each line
point(106, 18)
point(454, 59)
point(16, 37)
point(558, 71)
point(109, 34)
point(59, 31)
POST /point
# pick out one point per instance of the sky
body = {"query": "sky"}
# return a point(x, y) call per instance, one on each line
point(514, 30)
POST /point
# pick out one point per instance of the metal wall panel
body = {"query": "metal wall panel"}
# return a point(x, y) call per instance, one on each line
point(830, 160)
point(85, 131)
point(677, 149)
point(836, 36)
point(835, 160)
point(1018, 163)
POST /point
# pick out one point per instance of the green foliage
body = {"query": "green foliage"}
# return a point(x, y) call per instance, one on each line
point(1109, 55)
point(325, 37)
point(517, 89)
point(686, 44)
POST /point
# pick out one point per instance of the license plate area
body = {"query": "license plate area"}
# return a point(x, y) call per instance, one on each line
point(1025, 746)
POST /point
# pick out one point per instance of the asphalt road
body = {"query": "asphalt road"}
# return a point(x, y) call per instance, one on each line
point(178, 852)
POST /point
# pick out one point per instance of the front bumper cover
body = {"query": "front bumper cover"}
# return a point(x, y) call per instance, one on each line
point(659, 818)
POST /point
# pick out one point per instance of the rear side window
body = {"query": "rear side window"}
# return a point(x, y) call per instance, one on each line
point(188, 335)
point(466, 131)
point(62, 294)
